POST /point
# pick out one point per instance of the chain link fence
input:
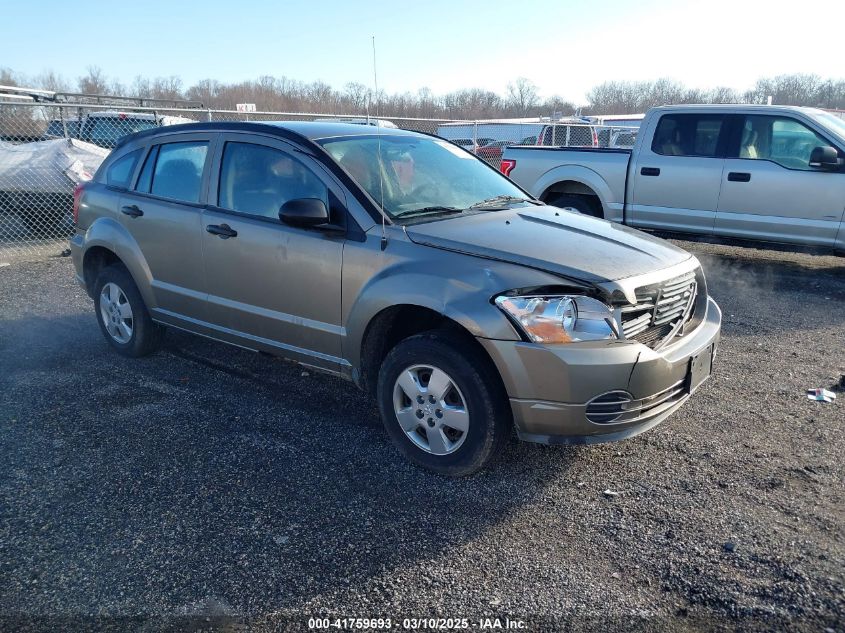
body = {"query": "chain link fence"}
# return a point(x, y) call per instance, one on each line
point(46, 149)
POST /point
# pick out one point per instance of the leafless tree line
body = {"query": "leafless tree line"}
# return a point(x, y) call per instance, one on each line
point(626, 97)
point(522, 99)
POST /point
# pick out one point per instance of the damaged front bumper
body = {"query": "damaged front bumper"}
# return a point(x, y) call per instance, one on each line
point(602, 391)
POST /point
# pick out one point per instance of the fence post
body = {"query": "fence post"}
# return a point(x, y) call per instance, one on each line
point(64, 122)
point(474, 135)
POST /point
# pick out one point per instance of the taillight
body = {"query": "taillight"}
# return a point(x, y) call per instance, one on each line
point(506, 166)
point(77, 196)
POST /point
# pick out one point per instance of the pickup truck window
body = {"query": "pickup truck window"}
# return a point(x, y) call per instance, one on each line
point(178, 171)
point(108, 130)
point(567, 136)
point(781, 140)
point(121, 170)
point(687, 135)
point(258, 180)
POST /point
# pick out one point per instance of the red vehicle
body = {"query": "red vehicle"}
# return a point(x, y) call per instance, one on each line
point(493, 151)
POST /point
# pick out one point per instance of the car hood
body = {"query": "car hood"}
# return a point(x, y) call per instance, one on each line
point(562, 242)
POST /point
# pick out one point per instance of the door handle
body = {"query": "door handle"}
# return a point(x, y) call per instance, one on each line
point(739, 176)
point(223, 231)
point(650, 171)
point(132, 211)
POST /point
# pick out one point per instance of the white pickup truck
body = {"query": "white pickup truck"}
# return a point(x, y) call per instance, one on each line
point(773, 173)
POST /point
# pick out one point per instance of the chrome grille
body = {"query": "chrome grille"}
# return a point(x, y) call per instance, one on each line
point(660, 310)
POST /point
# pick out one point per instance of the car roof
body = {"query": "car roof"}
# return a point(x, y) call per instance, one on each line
point(315, 130)
point(737, 107)
point(307, 131)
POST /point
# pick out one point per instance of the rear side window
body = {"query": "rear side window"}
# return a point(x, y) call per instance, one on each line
point(120, 171)
point(145, 180)
point(258, 180)
point(178, 170)
point(688, 135)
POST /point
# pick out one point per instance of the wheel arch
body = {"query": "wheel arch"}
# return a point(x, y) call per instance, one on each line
point(577, 180)
point(107, 242)
point(395, 323)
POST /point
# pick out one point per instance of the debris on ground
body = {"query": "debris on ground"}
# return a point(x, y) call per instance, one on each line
point(729, 547)
point(4, 264)
point(610, 493)
point(821, 395)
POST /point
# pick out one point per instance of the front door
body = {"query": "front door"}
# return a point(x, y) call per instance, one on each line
point(272, 286)
point(675, 181)
point(770, 191)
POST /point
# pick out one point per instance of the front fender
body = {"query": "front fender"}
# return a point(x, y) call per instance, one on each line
point(108, 233)
point(458, 286)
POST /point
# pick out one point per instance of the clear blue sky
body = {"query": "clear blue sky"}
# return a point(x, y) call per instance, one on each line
point(564, 47)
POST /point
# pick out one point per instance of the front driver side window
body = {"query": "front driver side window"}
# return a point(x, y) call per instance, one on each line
point(258, 180)
point(781, 140)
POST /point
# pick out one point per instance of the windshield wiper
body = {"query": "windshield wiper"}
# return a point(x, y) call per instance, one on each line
point(502, 200)
point(427, 211)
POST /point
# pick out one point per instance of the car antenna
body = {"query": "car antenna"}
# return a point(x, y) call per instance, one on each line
point(378, 137)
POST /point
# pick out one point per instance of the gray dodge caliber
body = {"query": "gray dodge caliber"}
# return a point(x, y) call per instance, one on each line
point(404, 263)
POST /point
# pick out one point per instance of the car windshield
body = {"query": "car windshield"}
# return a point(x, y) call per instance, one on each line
point(831, 122)
point(417, 176)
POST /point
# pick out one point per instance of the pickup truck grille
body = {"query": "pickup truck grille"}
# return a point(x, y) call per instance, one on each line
point(660, 311)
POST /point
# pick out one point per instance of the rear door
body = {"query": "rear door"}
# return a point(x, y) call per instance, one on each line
point(769, 189)
point(272, 286)
point(674, 183)
point(163, 215)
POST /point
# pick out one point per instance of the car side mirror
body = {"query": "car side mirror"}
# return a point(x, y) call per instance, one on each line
point(304, 212)
point(825, 157)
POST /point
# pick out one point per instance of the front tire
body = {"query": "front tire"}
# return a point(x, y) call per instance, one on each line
point(442, 404)
point(122, 314)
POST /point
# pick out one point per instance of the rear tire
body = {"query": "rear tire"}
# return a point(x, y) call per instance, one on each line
point(122, 314)
point(582, 204)
point(442, 404)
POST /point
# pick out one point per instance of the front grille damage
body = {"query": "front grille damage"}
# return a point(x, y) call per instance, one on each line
point(661, 310)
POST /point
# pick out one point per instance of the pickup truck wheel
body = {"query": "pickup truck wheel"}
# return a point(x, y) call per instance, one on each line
point(122, 314)
point(441, 404)
point(582, 204)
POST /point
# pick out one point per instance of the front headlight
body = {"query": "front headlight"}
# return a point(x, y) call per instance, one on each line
point(560, 319)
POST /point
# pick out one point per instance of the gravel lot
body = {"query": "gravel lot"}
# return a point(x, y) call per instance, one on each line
point(207, 487)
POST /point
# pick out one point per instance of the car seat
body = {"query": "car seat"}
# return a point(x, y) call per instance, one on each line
point(179, 179)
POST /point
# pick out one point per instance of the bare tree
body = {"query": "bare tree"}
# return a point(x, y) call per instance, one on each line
point(356, 96)
point(50, 80)
point(522, 96)
point(95, 82)
point(557, 105)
